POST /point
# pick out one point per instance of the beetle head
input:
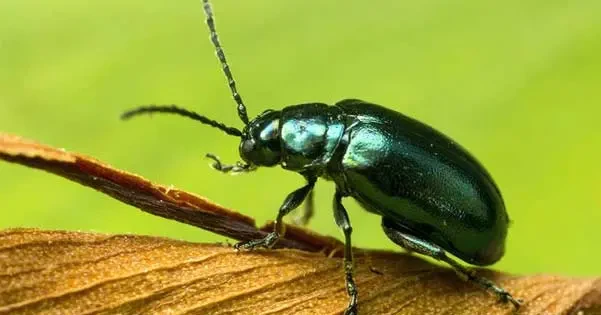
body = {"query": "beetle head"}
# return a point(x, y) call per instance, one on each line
point(260, 143)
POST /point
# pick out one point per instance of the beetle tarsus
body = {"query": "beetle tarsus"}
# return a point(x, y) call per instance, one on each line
point(503, 295)
point(266, 242)
point(351, 289)
point(351, 310)
point(507, 297)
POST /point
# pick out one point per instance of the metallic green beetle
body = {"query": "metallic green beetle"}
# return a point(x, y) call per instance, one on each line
point(432, 195)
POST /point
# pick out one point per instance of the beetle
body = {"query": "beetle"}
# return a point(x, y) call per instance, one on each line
point(433, 196)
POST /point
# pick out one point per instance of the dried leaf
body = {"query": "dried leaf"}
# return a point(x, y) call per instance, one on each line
point(54, 272)
point(156, 199)
point(58, 272)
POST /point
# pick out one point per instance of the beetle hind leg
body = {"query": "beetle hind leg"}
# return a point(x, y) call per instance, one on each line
point(416, 244)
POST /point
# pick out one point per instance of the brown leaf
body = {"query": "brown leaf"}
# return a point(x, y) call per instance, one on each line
point(74, 273)
point(156, 199)
point(55, 272)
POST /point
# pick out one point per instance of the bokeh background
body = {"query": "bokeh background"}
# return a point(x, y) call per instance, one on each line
point(516, 82)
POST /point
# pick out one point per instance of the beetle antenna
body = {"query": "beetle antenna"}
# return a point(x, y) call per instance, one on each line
point(226, 68)
point(173, 109)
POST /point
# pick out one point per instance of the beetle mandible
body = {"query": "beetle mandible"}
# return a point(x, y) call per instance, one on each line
point(433, 196)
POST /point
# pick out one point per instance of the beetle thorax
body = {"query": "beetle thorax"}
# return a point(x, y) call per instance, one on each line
point(309, 136)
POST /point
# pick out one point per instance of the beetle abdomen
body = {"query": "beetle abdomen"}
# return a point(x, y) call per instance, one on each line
point(405, 170)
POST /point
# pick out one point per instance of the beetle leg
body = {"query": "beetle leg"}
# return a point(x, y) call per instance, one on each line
point(237, 168)
point(344, 223)
point(307, 213)
point(416, 244)
point(292, 201)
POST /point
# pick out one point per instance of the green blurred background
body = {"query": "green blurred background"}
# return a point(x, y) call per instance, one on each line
point(516, 82)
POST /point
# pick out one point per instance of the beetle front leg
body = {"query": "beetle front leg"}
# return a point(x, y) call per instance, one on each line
point(237, 168)
point(416, 244)
point(292, 201)
point(344, 223)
